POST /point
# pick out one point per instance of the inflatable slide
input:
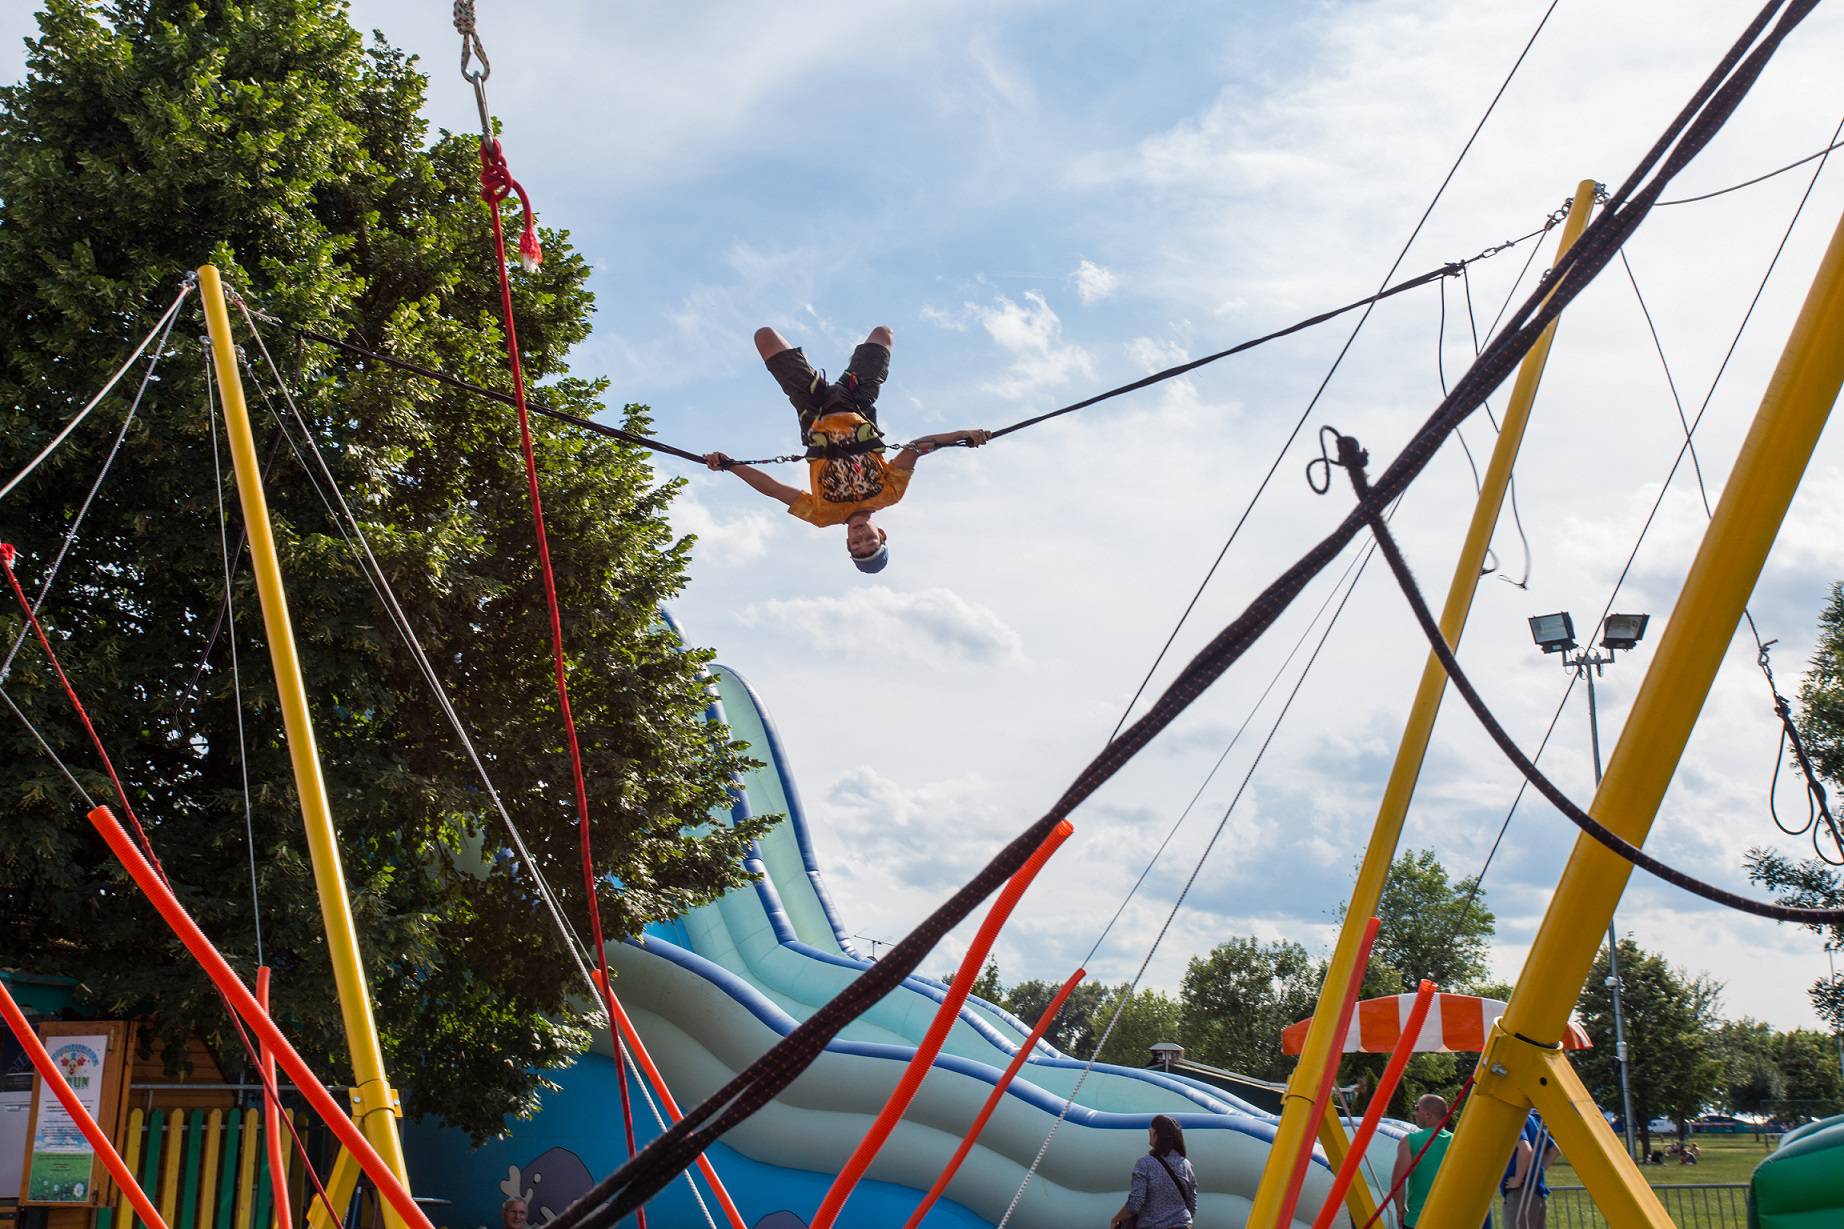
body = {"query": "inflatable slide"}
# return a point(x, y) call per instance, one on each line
point(714, 989)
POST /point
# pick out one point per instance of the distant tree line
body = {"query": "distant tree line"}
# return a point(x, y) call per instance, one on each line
point(1234, 1000)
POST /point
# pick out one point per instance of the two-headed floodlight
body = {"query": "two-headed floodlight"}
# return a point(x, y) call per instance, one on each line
point(1554, 633)
point(1623, 631)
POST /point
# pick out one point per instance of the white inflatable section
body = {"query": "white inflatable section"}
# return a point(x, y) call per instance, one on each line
point(714, 991)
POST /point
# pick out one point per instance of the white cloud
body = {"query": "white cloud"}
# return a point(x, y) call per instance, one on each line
point(1094, 283)
point(954, 322)
point(882, 621)
point(940, 828)
point(1031, 333)
point(736, 539)
point(1151, 356)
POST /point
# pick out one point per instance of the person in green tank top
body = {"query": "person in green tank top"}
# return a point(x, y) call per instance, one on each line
point(1430, 1115)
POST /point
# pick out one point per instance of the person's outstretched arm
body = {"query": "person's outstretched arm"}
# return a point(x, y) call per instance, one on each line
point(781, 492)
point(917, 449)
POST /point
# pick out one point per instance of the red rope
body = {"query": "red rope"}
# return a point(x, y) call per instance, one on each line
point(496, 184)
point(270, 1089)
point(1458, 1100)
point(7, 555)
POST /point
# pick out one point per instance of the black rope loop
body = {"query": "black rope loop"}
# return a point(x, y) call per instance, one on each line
point(1352, 458)
point(1818, 804)
point(1319, 469)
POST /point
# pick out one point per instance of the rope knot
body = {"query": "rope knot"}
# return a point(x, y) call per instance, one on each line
point(495, 176)
point(1350, 455)
point(7, 555)
point(496, 184)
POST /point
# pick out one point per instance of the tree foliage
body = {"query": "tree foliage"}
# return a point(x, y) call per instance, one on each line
point(1432, 926)
point(1809, 882)
point(1147, 1018)
point(1810, 1063)
point(1752, 1081)
point(1674, 1066)
point(149, 136)
point(1240, 995)
point(1075, 1029)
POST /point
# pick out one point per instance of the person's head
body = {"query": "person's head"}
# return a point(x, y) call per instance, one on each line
point(866, 543)
point(1165, 1135)
point(1430, 1110)
point(512, 1213)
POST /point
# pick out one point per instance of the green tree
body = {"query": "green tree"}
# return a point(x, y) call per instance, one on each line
point(1149, 1017)
point(1752, 1081)
point(986, 986)
point(1075, 1029)
point(146, 137)
point(1674, 1069)
point(1431, 926)
point(1239, 997)
point(1811, 883)
point(1821, 693)
point(1809, 1064)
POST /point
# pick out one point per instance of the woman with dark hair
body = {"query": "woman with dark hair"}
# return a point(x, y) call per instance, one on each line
point(1164, 1190)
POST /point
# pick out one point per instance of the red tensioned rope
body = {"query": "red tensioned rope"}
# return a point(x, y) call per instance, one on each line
point(992, 1101)
point(7, 554)
point(272, 1115)
point(645, 1061)
point(924, 1058)
point(496, 184)
point(343, 1127)
point(1379, 1101)
point(1296, 1175)
point(1459, 1099)
point(270, 1089)
point(60, 1087)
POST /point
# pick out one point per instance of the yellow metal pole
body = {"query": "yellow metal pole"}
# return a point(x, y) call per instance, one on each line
point(1728, 563)
point(340, 1184)
point(1332, 1137)
point(375, 1110)
point(1296, 1122)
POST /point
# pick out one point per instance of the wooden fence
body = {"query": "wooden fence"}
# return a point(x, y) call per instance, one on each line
point(205, 1169)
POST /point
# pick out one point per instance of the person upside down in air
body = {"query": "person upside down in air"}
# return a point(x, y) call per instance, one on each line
point(847, 473)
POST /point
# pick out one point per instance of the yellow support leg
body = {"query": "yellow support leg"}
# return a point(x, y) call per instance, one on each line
point(1296, 1108)
point(1337, 1145)
point(1760, 488)
point(340, 1184)
point(377, 1110)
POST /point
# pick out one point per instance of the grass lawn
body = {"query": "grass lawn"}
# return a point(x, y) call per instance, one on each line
point(1726, 1159)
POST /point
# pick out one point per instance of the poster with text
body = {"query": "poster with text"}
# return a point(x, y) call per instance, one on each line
point(60, 1166)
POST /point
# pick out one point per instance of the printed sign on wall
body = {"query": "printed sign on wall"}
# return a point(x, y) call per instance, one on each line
point(60, 1165)
point(58, 1170)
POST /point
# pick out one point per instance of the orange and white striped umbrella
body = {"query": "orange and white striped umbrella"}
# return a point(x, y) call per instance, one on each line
point(1456, 1024)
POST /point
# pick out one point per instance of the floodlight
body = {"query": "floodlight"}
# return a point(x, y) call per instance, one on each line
point(1623, 631)
point(1554, 633)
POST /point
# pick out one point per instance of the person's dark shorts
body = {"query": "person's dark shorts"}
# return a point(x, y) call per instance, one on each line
point(813, 395)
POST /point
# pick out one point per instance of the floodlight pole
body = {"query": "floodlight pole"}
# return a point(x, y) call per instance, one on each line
point(1523, 1065)
point(1588, 663)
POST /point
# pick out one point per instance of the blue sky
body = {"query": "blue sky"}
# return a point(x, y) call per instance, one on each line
point(1045, 200)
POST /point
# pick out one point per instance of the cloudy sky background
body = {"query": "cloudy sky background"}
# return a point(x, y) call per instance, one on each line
point(1046, 200)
